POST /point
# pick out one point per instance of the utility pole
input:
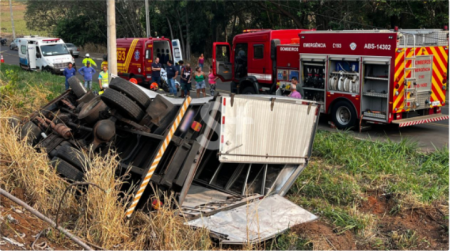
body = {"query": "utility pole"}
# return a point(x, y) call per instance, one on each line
point(12, 20)
point(147, 19)
point(111, 22)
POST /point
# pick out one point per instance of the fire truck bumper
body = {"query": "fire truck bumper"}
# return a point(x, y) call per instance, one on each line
point(420, 120)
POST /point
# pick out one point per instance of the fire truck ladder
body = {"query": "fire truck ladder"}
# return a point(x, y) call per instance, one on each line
point(410, 93)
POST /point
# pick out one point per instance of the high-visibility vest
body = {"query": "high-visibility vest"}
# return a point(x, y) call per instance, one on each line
point(104, 78)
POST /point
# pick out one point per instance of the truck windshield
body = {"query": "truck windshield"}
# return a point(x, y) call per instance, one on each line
point(52, 50)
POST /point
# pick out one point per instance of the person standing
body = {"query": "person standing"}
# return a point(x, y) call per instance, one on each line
point(172, 73)
point(212, 81)
point(201, 60)
point(156, 71)
point(88, 59)
point(87, 72)
point(185, 80)
point(103, 78)
point(199, 77)
point(68, 72)
point(294, 93)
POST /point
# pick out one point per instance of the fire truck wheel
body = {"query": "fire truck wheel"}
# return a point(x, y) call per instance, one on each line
point(72, 156)
point(67, 170)
point(116, 100)
point(77, 86)
point(131, 91)
point(343, 115)
point(249, 90)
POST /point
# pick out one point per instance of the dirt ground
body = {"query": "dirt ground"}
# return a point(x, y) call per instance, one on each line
point(416, 230)
point(19, 229)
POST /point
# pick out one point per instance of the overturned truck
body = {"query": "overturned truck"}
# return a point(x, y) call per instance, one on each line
point(228, 159)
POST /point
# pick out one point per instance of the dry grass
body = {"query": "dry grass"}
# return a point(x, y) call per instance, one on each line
point(94, 215)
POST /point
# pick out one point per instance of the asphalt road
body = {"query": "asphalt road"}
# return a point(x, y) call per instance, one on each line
point(428, 136)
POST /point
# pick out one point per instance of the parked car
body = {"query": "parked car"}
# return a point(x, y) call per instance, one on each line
point(14, 44)
point(226, 159)
point(73, 49)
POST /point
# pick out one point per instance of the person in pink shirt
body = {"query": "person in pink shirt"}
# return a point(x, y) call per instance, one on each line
point(212, 81)
point(294, 93)
point(201, 60)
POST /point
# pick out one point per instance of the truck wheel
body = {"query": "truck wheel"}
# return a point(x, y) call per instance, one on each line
point(131, 91)
point(116, 100)
point(343, 115)
point(67, 170)
point(30, 129)
point(77, 86)
point(249, 90)
point(72, 156)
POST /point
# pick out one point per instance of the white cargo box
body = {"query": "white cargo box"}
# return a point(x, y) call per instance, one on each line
point(267, 129)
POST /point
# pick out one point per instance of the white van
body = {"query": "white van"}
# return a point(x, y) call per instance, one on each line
point(44, 54)
point(176, 51)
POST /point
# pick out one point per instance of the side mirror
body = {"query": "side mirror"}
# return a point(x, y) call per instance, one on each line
point(38, 55)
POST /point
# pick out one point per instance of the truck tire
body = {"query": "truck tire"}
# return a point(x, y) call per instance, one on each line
point(77, 86)
point(72, 156)
point(67, 170)
point(116, 100)
point(31, 130)
point(343, 115)
point(131, 91)
point(249, 90)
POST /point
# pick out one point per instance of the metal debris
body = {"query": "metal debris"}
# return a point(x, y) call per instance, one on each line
point(13, 242)
point(11, 219)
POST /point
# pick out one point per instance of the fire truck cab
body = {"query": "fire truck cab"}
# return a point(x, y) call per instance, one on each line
point(250, 62)
point(136, 55)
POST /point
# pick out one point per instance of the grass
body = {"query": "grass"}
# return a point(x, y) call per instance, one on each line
point(344, 170)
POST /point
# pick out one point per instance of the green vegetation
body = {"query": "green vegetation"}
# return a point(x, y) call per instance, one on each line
point(24, 91)
point(345, 170)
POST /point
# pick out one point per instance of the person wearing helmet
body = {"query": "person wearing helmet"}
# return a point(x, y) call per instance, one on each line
point(88, 59)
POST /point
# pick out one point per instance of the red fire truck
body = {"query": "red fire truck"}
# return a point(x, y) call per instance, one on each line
point(376, 76)
point(135, 56)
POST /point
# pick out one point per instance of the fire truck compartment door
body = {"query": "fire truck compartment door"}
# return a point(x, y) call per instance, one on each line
point(257, 221)
point(223, 67)
point(267, 129)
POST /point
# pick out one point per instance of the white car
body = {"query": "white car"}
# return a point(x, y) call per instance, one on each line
point(73, 49)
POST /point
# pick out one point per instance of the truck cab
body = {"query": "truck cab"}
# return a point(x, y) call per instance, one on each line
point(250, 62)
point(43, 54)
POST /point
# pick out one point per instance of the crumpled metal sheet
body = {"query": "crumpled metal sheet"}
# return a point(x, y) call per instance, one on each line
point(256, 221)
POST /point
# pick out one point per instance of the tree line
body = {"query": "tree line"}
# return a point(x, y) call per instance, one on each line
point(200, 23)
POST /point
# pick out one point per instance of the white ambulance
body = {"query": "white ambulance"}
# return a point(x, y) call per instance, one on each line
point(44, 54)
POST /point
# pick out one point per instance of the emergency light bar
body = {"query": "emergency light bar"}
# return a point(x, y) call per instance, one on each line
point(51, 40)
point(254, 30)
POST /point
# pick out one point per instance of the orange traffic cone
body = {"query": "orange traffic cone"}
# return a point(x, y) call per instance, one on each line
point(2, 60)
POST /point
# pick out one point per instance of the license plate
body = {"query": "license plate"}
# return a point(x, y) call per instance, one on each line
point(61, 70)
point(435, 103)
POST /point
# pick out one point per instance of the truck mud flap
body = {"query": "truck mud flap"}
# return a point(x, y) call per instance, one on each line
point(420, 120)
point(254, 222)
